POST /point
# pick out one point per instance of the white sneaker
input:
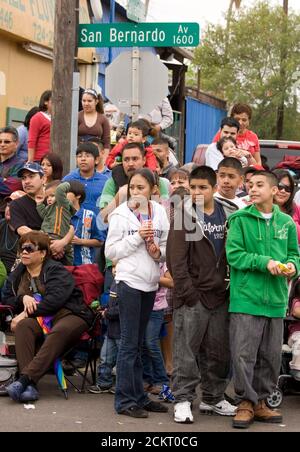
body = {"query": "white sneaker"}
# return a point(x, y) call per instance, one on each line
point(183, 413)
point(222, 408)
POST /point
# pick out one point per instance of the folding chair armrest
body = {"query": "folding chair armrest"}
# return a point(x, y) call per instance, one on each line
point(6, 308)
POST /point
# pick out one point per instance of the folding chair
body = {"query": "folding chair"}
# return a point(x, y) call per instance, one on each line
point(90, 281)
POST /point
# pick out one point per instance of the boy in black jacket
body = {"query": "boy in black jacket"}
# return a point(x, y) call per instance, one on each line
point(197, 262)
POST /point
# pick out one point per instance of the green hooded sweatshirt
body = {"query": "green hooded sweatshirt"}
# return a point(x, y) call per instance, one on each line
point(252, 241)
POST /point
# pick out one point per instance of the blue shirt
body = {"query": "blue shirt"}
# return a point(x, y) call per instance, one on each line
point(214, 228)
point(106, 172)
point(93, 188)
point(84, 223)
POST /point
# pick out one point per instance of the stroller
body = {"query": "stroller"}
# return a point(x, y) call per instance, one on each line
point(286, 383)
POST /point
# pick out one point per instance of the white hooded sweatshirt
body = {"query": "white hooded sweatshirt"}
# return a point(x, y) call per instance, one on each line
point(135, 266)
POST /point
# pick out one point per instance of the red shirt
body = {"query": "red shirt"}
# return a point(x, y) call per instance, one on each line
point(39, 135)
point(247, 141)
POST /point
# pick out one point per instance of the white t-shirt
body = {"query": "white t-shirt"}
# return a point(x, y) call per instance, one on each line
point(213, 156)
point(239, 202)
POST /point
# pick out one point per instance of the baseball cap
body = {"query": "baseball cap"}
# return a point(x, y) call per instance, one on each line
point(33, 167)
point(14, 195)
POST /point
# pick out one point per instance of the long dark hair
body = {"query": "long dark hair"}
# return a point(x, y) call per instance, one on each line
point(45, 97)
point(289, 205)
point(56, 163)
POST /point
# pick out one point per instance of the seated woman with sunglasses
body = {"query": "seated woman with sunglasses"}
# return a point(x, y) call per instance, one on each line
point(285, 197)
point(38, 273)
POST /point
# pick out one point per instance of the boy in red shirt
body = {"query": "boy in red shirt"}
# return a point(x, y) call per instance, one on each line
point(137, 133)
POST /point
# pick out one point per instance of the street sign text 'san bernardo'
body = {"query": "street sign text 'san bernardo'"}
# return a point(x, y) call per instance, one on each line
point(139, 35)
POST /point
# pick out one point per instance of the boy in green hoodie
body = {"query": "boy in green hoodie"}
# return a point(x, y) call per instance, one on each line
point(261, 238)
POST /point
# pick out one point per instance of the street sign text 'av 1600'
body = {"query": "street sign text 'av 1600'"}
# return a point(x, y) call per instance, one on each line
point(144, 34)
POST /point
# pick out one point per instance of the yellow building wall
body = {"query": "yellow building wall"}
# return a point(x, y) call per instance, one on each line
point(27, 75)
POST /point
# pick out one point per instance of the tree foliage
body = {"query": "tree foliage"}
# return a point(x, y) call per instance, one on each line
point(244, 64)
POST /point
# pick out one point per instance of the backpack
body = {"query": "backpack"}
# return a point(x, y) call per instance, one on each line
point(89, 280)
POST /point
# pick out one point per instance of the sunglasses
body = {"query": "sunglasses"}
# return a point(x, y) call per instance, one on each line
point(29, 249)
point(6, 141)
point(285, 188)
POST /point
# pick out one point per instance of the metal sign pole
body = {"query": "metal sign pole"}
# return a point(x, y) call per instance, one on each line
point(135, 101)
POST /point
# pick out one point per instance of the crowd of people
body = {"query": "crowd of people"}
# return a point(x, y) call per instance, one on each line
point(196, 261)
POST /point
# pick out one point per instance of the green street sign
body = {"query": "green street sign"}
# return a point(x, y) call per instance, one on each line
point(124, 34)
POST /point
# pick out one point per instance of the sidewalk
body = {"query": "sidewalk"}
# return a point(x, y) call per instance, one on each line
point(95, 413)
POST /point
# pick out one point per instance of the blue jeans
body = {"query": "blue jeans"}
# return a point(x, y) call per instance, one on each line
point(153, 363)
point(108, 360)
point(135, 308)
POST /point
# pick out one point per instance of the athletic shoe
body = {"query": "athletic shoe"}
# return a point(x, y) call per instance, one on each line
point(183, 413)
point(222, 408)
point(14, 390)
point(97, 389)
point(30, 394)
point(134, 411)
point(156, 407)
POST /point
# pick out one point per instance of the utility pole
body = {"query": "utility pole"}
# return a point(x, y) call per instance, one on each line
point(283, 57)
point(65, 53)
point(232, 3)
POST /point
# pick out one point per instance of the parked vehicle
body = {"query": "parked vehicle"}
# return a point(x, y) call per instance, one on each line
point(274, 151)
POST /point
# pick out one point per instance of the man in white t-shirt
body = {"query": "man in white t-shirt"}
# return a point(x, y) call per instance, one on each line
point(229, 128)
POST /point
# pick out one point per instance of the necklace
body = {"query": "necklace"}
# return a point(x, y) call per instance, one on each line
point(9, 248)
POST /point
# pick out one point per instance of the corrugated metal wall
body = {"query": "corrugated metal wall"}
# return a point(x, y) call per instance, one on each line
point(202, 122)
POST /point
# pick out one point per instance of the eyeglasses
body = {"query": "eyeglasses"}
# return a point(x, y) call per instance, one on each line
point(6, 141)
point(285, 188)
point(29, 249)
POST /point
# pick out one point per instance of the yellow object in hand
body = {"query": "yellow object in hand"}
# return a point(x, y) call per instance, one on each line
point(283, 267)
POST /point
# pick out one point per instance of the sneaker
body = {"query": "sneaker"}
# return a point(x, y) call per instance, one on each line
point(166, 394)
point(14, 390)
point(30, 394)
point(134, 411)
point(156, 407)
point(222, 408)
point(96, 389)
point(183, 413)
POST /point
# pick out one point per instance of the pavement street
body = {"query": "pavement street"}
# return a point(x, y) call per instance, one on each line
point(95, 413)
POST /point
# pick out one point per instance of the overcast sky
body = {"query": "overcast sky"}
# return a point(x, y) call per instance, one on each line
point(201, 11)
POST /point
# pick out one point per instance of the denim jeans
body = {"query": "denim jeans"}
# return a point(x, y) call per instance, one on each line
point(135, 308)
point(108, 360)
point(153, 363)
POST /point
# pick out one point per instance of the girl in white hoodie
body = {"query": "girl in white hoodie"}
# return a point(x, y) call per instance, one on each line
point(136, 240)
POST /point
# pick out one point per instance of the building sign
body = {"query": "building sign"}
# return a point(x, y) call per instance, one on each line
point(33, 20)
point(123, 34)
